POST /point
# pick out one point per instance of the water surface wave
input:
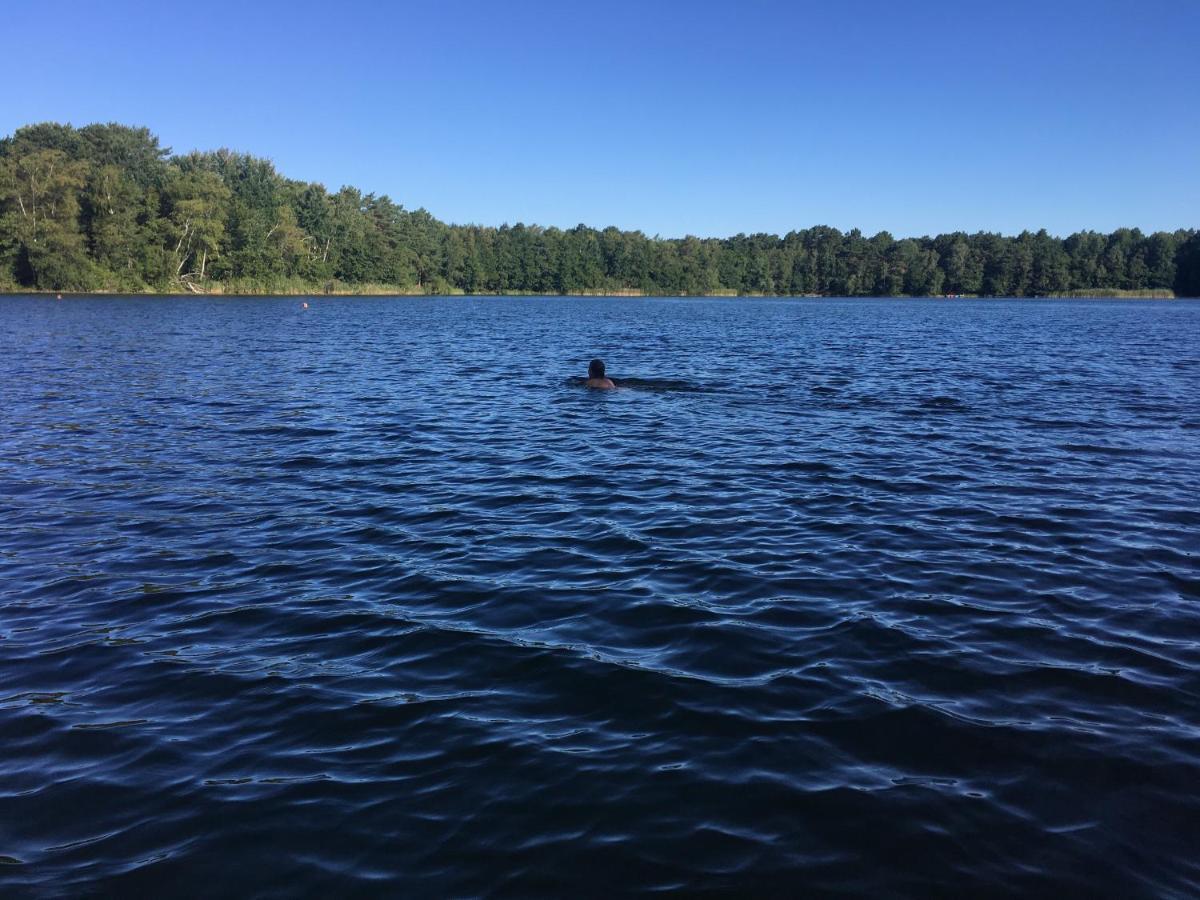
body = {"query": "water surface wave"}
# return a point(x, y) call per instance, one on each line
point(892, 598)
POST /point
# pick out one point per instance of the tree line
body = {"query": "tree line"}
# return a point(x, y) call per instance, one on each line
point(106, 207)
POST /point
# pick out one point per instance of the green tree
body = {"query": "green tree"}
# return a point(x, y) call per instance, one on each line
point(106, 206)
point(1161, 251)
point(40, 192)
point(962, 265)
point(1187, 266)
point(116, 220)
point(198, 201)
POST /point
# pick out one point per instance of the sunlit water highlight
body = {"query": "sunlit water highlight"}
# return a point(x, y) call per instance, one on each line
point(890, 597)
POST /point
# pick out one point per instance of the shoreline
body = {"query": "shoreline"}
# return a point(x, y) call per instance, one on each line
point(401, 292)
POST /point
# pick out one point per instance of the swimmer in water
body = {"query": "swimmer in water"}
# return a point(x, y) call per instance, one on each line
point(596, 377)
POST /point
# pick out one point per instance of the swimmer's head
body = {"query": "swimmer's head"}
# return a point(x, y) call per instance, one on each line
point(596, 368)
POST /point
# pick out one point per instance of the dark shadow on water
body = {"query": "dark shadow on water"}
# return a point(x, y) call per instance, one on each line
point(949, 404)
point(650, 385)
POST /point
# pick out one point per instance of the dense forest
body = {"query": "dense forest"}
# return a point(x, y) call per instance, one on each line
point(106, 208)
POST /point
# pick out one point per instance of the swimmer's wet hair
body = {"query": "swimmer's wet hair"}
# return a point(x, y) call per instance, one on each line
point(596, 368)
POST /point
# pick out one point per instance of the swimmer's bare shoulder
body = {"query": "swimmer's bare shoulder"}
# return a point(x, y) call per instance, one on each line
point(602, 383)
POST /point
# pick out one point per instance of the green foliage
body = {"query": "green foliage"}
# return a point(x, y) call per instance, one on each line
point(198, 202)
point(1187, 261)
point(105, 207)
point(40, 220)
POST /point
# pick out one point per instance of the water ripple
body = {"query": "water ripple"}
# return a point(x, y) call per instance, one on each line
point(829, 597)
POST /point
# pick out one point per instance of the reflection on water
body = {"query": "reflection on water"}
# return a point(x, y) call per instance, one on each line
point(841, 596)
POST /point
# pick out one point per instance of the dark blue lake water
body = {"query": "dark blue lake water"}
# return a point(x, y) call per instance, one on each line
point(880, 597)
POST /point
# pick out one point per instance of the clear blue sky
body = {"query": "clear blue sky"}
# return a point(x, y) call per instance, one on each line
point(698, 117)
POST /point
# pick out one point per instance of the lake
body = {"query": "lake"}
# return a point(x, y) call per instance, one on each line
point(891, 597)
